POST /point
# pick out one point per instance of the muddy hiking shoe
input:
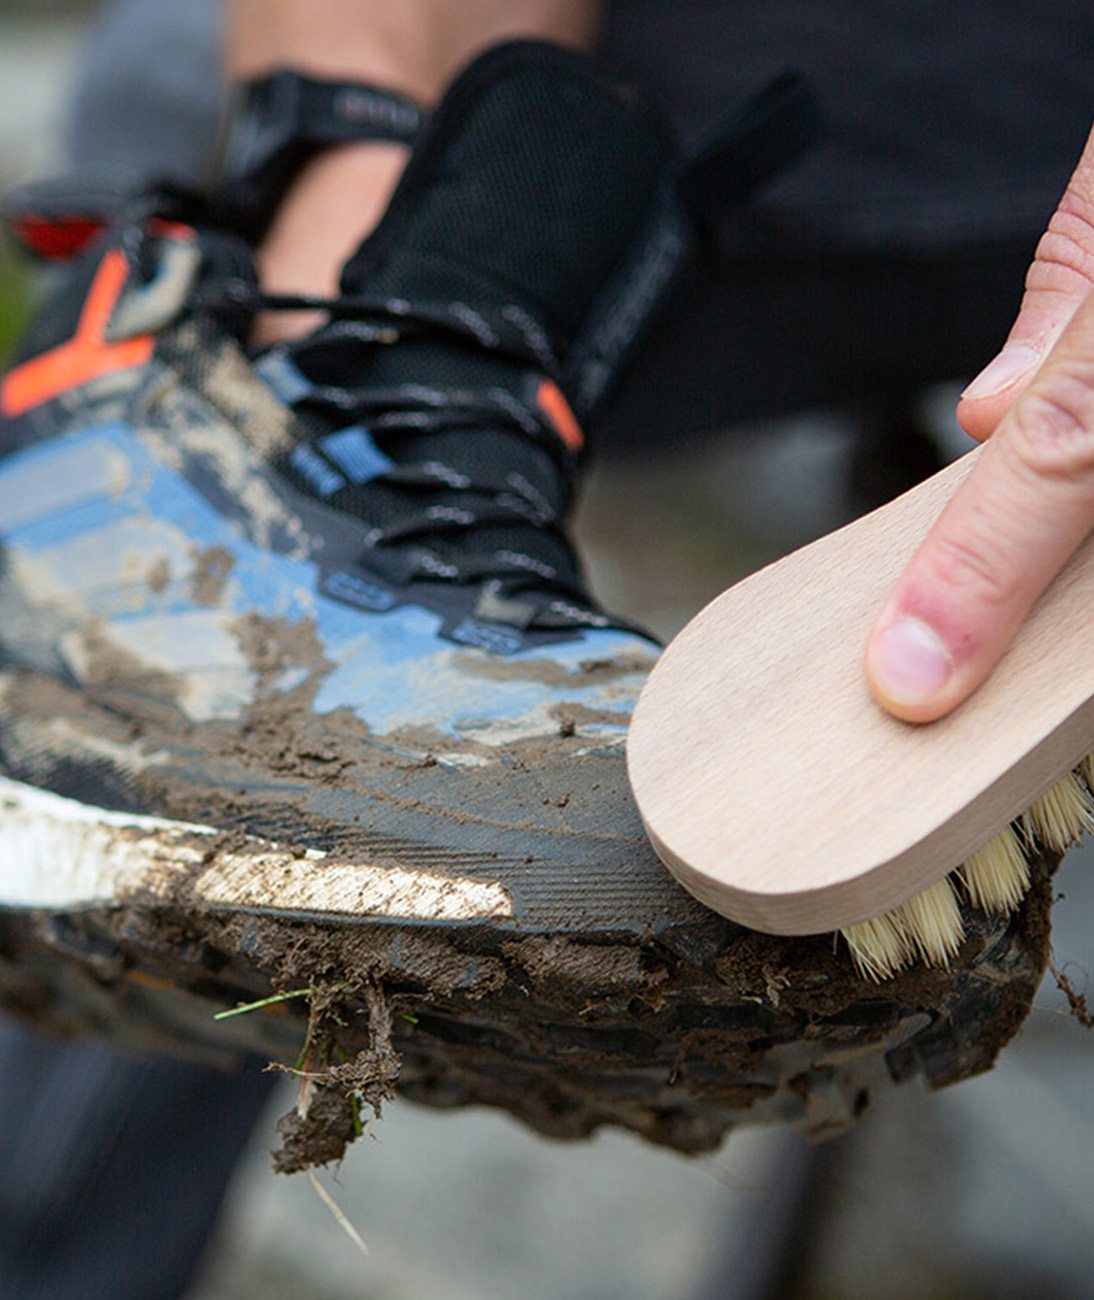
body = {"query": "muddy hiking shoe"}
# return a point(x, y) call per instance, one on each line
point(304, 698)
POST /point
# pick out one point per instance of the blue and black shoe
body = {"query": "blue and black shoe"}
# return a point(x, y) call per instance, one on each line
point(302, 691)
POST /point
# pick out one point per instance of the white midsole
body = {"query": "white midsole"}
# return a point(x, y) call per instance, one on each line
point(58, 853)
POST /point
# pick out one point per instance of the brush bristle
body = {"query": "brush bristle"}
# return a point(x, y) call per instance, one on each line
point(879, 948)
point(933, 921)
point(1059, 818)
point(995, 879)
point(928, 926)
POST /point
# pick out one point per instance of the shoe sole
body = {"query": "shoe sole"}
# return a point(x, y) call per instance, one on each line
point(142, 929)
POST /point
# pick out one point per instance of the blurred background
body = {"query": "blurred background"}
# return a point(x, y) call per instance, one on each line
point(983, 1191)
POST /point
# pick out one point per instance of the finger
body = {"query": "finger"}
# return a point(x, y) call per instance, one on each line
point(1006, 533)
point(1058, 280)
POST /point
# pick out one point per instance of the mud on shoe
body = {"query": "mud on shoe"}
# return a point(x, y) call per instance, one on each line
point(303, 696)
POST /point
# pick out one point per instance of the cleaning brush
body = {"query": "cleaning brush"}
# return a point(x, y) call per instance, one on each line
point(782, 795)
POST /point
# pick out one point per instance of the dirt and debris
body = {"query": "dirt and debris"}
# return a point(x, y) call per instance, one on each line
point(102, 664)
point(273, 646)
point(283, 734)
point(569, 1035)
point(246, 407)
point(557, 1016)
point(580, 975)
point(590, 672)
point(280, 730)
point(1076, 1001)
point(565, 1035)
point(332, 1096)
point(159, 574)
point(320, 1137)
point(212, 568)
point(677, 1037)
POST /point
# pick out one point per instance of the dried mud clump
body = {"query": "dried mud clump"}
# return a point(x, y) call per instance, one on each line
point(320, 1135)
point(332, 1097)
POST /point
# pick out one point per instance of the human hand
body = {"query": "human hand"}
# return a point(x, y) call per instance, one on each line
point(1027, 504)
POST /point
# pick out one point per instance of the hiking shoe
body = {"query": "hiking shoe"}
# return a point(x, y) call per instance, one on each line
point(303, 698)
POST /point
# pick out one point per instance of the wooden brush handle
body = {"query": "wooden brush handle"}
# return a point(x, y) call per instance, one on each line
point(780, 794)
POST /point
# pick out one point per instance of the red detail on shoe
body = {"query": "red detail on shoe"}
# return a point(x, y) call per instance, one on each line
point(56, 238)
point(556, 408)
point(86, 355)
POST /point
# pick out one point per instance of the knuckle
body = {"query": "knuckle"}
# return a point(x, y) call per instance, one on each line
point(1069, 238)
point(1063, 263)
point(962, 562)
point(1052, 429)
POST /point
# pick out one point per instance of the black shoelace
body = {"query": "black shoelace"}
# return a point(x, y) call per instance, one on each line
point(466, 485)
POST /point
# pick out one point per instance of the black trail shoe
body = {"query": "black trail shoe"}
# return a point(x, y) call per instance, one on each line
point(302, 692)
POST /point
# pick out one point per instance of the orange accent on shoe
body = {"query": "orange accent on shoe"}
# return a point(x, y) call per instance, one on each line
point(86, 355)
point(554, 405)
point(161, 228)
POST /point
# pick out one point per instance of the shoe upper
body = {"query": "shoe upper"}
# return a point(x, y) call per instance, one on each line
point(335, 576)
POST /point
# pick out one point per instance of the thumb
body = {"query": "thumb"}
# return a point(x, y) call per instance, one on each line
point(1058, 280)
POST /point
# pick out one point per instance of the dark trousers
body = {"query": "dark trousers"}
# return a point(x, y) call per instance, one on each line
point(112, 1170)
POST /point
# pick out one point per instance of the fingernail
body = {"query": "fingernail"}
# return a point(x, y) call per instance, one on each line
point(910, 663)
point(1015, 360)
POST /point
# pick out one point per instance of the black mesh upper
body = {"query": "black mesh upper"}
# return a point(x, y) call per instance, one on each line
point(525, 193)
point(530, 185)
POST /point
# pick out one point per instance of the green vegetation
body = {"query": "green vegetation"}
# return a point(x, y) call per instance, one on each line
point(14, 296)
point(262, 1002)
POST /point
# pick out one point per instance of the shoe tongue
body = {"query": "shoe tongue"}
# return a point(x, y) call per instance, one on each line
point(530, 183)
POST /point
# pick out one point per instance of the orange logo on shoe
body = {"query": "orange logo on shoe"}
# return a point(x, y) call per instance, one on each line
point(86, 355)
